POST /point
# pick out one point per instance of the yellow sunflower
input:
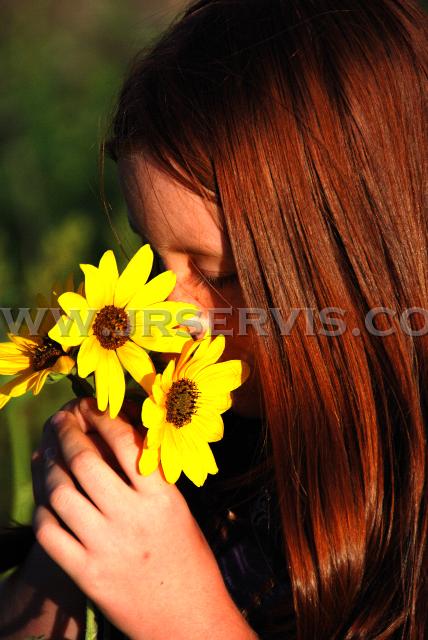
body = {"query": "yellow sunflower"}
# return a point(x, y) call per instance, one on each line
point(183, 412)
point(117, 320)
point(32, 359)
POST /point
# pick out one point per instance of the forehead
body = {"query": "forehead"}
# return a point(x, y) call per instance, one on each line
point(167, 214)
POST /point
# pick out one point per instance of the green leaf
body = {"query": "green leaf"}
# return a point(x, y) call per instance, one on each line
point(91, 632)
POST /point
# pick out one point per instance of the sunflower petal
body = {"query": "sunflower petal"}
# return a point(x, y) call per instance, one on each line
point(139, 364)
point(108, 268)
point(21, 384)
point(206, 455)
point(63, 365)
point(193, 465)
point(88, 356)
point(4, 399)
point(116, 384)
point(24, 344)
point(157, 392)
point(185, 355)
point(134, 276)
point(208, 353)
point(40, 381)
point(222, 377)
point(219, 402)
point(170, 457)
point(166, 380)
point(207, 424)
point(156, 290)
point(67, 333)
point(162, 318)
point(152, 415)
point(172, 343)
point(72, 303)
point(155, 436)
point(12, 359)
point(97, 287)
point(42, 301)
point(149, 461)
point(102, 381)
point(48, 320)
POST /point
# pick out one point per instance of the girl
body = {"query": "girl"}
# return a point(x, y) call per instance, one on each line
point(273, 153)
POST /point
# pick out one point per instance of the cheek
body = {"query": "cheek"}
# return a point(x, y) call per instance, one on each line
point(199, 296)
point(220, 312)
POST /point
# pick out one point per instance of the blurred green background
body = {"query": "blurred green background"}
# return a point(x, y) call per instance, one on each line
point(62, 66)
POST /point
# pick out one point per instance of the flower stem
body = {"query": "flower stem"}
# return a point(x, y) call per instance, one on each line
point(81, 387)
point(91, 631)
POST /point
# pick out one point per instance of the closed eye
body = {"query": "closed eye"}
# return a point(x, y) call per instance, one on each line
point(217, 282)
point(199, 277)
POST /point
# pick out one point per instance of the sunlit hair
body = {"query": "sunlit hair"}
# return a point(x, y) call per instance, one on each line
point(305, 120)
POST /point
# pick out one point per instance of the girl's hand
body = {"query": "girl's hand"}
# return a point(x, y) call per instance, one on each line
point(129, 542)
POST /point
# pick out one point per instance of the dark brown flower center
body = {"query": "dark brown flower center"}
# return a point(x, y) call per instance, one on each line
point(46, 354)
point(111, 327)
point(181, 402)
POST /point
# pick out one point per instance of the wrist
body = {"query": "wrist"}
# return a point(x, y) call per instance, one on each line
point(214, 615)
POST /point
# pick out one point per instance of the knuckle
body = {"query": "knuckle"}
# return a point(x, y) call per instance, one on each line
point(59, 419)
point(40, 533)
point(87, 406)
point(41, 528)
point(161, 502)
point(55, 422)
point(43, 534)
point(35, 456)
point(59, 497)
point(126, 437)
point(82, 461)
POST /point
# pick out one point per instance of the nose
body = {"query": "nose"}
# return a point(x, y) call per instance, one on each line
point(196, 321)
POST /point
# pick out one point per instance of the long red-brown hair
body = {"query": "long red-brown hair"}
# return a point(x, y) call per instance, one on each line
point(306, 121)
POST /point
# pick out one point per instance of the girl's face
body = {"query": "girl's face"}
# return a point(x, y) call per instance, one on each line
point(184, 230)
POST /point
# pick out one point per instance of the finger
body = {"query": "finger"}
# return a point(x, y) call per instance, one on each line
point(83, 519)
point(73, 407)
point(107, 454)
point(49, 439)
point(60, 545)
point(99, 481)
point(125, 442)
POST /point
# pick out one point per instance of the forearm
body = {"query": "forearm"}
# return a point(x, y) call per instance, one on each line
point(39, 599)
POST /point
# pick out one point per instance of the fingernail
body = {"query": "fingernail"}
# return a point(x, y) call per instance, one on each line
point(36, 455)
